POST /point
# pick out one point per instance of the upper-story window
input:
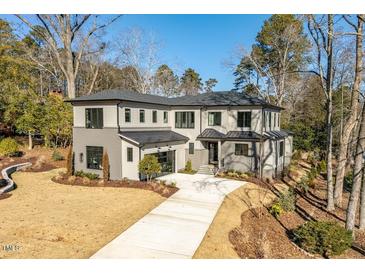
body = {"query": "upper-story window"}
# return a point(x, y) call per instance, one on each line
point(154, 116)
point(141, 116)
point(281, 148)
point(244, 119)
point(94, 118)
point(127, 115)
point(214, 118)
point(184, 119)
point(165, 117)
point(269, 119)
point(275, 119)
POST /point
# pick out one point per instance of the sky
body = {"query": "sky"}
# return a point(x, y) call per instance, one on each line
point(202, 42)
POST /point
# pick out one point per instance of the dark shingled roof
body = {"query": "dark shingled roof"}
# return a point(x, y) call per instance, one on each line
point(222, 98)
point(119, 95)
point(210, 133)
point(276, 134)
point(155, 136)
point(245, 135)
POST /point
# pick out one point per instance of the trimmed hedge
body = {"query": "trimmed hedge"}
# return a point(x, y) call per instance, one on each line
point(8, 147)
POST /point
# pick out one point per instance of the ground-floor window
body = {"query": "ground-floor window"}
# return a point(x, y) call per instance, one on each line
point(129, 154)
point(191, 148)
point(94, 156)
point(241, 149)
point(167, 161)
point(281, 148)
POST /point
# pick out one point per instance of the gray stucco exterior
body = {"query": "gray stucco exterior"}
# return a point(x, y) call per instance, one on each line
point(265, 118)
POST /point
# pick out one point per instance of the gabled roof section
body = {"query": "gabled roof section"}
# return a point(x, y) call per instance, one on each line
point(210, 133)
point(221, 98)
point(142, 138)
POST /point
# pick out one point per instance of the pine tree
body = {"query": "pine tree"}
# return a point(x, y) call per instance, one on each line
point(190, 82)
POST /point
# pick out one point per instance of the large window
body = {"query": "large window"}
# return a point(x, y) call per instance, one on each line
point(214, 118)
point(94, 118)
point(154, 116)
point(141, 116)
point(244, 119)
point(94, 156)
point(281, 148)
point(127, 115)
point(184, 119)
point(241, 149)
point(165, 117)
point(129, 154)
point(191, 148)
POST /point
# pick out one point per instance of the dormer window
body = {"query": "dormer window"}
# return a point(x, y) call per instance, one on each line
point(244, 119)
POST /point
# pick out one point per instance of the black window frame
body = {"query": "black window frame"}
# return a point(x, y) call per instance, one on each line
point(191, 148)
point(281, 148)
point(129, 154)
point(129, 112)
point(154, 116)
point(244, 122)
point(99, 156)
point(217, 118)
point(184, 119)
point(90, 114)
point(241, 151)
point(165, 117)
point(142, 113)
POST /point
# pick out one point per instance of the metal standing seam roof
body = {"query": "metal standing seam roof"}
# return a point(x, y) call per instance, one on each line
point(222, 98)
point(210, 133)
point(152, 137)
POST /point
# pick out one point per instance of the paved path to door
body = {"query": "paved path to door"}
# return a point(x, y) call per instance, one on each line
point(176, 227)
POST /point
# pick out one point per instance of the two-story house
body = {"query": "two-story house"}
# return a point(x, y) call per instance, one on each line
point(229, 130)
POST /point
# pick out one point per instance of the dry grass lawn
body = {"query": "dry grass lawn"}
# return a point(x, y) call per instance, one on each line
point(43, 219)
point(216, 244)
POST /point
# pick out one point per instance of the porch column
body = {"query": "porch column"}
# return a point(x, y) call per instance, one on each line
point(219, 153)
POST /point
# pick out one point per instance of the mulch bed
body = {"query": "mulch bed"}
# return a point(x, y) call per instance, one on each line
point(162, 189)
point(260, 235)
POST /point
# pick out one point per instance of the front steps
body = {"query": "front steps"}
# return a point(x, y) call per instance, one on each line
point(206, 170)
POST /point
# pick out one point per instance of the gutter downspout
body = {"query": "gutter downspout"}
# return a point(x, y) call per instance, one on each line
point(261, 144)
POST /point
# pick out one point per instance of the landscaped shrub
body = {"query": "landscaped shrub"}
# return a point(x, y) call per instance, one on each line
point(70, 162)
point(276, 210)
point(91, 176)
point(188, 166)
point(323, 238)
point(287, 200)
point(303, 184)
point(106, 167)
point(8, 147)
point(57, 156)
point(149, 166)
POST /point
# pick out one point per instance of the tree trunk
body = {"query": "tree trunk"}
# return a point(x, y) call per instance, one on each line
point(357, 171)
point(30, 141)
point(351, 121)
point(330, 201)
point(362, 204)
point(71, 87)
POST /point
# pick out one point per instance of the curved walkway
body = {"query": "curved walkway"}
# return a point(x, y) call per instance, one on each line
point(175, 228)
point(6, 173)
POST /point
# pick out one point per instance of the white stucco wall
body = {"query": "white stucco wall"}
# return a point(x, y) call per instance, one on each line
point(109, 114)
point(129, 169)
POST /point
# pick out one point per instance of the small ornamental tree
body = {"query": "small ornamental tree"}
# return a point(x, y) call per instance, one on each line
point(149, 166)
point(69, 163)
point(106, 167)
point(8, 147)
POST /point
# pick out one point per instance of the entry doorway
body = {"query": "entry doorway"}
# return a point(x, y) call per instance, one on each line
point(213, 153)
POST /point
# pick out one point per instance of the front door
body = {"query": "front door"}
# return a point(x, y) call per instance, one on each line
point(213, 153)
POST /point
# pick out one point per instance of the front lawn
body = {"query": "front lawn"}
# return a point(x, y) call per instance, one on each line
point(44, 219)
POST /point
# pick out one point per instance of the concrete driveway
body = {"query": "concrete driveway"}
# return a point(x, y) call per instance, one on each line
point(176, 227)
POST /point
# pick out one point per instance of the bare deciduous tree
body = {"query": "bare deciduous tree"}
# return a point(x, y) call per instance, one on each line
point(350, 123)
point(322, 33)
point(67, 37)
